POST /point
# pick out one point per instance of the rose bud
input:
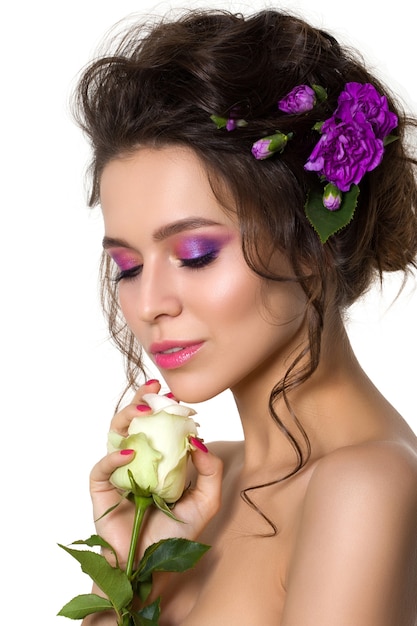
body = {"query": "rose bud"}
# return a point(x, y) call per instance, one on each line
point(161, 443)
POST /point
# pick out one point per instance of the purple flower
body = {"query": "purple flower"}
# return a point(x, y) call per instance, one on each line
point(332, 197)
point(260, 149)
point(230, 123)
point(362, 103)
point(345, 152)
point(300, 99)
point(266, 147)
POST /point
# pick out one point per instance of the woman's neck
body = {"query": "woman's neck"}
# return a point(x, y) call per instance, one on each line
point(318, 403)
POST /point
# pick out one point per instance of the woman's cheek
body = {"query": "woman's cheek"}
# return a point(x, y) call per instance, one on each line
point(127, 303)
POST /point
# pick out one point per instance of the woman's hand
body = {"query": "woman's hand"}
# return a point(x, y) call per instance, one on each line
point(195, 509)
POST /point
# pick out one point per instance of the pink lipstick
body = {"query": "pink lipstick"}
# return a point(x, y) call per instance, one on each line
point(171, 355)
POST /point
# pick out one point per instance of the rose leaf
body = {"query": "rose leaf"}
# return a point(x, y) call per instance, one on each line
point(170, 555)
point(111, 580)
point(81, 606)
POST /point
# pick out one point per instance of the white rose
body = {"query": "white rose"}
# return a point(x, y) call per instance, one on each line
point(161, 445)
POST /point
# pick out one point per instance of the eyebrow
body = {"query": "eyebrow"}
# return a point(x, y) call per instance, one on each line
point(165, 231)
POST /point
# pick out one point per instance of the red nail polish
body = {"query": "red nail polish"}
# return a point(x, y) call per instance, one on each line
point(197, 443)
point(143, 407)
point(151, 381)
point(170, 395)
point(126, 452)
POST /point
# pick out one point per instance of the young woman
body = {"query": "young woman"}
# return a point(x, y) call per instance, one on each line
point(254, 181)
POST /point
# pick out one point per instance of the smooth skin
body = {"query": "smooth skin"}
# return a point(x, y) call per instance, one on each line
point(344, 552)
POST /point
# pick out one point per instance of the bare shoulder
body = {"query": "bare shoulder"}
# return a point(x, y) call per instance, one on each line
point(380, 469)
point(358, 525)
point(369, 484)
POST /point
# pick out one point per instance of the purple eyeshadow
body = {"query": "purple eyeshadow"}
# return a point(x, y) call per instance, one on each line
point(195, 247)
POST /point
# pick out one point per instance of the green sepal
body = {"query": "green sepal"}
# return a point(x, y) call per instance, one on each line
point(321, 92)
point(136, 490)
point(170, 555)
point(220, 122)
point(163, 506)
point(389, 139)
point(149, 615)
point(317, 126)
point(278, 141)
point(81, 606)
point(326, 222)
point(124, 495)
point(111, 580)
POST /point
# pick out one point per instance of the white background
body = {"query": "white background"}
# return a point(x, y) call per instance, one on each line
point(60, 376)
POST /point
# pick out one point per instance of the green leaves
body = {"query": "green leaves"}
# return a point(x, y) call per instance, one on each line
point(121, 586)
point(111, 580)
point(220, 122)
point(81, 606)
point(326, 222)
point(148, 616)
point(168, 555)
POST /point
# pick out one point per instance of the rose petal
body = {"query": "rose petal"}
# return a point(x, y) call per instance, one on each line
point(162, 403)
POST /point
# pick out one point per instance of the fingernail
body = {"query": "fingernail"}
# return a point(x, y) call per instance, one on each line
point(170, 395)
point(151, 381)
point(126, 452)
point(197, 443)
point(143, 407)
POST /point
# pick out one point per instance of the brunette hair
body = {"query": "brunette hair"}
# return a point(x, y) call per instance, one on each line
point(160, 85)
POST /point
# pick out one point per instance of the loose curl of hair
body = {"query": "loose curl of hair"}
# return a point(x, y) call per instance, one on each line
point(159, 85)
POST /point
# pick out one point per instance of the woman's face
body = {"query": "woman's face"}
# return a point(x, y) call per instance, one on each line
point(204, 318)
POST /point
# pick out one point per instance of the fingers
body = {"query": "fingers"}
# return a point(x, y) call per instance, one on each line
point(104, 494)
point(151, 386)
point(208, 485)
point(121, 421)
point(101, 472)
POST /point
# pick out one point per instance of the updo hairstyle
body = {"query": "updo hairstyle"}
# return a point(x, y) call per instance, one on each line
point(160, 85)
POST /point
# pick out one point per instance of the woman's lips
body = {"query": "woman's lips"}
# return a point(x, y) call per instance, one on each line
point(171, 355)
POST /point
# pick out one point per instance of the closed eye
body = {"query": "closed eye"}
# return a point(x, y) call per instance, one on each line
point(200, 261)
point(128, 274)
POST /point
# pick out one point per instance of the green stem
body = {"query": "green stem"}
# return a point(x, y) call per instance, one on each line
point(141, 504)
point(125, 621)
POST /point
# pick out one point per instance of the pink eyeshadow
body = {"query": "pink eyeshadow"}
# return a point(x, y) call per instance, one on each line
point(124, 260)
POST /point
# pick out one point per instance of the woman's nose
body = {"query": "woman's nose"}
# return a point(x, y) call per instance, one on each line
point(157, 293)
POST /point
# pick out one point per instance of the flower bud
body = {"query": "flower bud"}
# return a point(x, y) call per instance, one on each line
point(230, 123)
point(332, 197)
point(161, 443)
point(300, 100)
point(266, 147)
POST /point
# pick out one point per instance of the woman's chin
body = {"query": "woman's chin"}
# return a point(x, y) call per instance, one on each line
point(191, 393)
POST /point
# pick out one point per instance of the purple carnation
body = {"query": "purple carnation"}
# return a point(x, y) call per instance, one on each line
point(260, 149)
point(362, 103)
point(345, 152)
point(300, 99)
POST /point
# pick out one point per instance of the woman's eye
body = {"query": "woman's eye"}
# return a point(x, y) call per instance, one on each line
point(129, 273)
point(200, 261)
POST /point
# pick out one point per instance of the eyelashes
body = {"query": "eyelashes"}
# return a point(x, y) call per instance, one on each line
point(200, 261)
point(188, 252)
point(127, 274)
point(195, 263)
